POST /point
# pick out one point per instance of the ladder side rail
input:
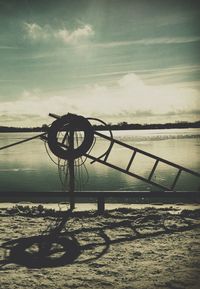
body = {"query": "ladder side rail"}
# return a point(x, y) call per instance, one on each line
point(94, 159)
point(149, 154)
point(126, 172)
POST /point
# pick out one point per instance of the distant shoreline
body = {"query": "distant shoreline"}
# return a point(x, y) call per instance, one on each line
point(119, 126)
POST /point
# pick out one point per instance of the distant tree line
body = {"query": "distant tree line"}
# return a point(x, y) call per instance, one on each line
point(119, 126)
point(20, 129)
point(136, 126)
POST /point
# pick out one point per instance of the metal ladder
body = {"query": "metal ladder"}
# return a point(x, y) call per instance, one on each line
point(104, 160)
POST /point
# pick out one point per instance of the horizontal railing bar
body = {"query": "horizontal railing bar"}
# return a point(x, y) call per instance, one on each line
point(55, 196)
point(92, 191)
point(88, 192)
point(149, 154)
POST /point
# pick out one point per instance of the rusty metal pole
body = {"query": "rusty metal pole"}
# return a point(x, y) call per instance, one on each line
point(71, 171)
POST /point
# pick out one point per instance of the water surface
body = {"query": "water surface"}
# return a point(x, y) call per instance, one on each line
point(27, 167)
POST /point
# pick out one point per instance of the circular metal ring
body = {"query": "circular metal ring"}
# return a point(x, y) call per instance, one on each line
point(70, 123)
point(110, 132)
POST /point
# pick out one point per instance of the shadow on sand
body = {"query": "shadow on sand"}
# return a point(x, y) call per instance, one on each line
point(58, 248)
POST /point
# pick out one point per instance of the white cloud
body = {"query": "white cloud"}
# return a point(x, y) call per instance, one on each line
point(35, 31)
point(41, 33)
point(74, 36)
point(130, 96)
point(149, 41)
point(168, 40)
point(173, 74)
point(9, 47)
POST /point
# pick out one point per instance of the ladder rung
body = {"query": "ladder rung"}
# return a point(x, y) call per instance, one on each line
point(153, 170)
point(108, 152)
point(131, 160)
point(176, 179)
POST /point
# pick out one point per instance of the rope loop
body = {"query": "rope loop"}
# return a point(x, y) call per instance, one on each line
point(69, 124)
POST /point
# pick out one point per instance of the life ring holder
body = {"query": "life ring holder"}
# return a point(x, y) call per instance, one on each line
point(71, 123)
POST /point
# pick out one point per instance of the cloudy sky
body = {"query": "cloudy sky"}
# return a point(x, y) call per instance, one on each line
point(120, 60)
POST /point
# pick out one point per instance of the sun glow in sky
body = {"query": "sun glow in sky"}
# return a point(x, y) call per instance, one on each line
point(130, 60)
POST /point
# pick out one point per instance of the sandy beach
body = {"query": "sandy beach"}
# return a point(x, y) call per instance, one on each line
point(124, 248)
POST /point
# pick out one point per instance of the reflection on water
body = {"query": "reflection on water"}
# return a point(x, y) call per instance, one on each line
point(27, 167)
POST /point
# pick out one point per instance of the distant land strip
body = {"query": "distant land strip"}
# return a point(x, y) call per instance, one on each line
point(119, 126)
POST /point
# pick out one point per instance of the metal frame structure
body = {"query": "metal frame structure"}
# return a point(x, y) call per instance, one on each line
point(71, 153)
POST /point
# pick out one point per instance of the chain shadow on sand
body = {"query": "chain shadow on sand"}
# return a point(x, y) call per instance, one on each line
point(63, 248)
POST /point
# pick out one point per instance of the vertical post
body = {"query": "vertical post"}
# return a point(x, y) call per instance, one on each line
point(100, 203)
point(71, 171)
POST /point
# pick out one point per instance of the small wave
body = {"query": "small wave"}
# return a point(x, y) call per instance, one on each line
point(17, 170)
point(156, 137)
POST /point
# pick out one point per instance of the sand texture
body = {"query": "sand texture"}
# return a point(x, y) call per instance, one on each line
point(124, 248)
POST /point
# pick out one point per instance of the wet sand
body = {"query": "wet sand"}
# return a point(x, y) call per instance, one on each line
point(124, 248)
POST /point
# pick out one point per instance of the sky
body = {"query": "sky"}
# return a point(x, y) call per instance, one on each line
point(118, 60)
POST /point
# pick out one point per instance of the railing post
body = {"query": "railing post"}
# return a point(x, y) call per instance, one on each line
point(71, 172)
point(100, 203)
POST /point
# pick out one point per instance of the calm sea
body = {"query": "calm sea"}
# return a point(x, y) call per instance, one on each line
point(27, 167)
